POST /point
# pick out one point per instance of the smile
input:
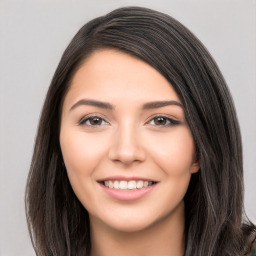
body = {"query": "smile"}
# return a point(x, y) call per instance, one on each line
point(127, 188)
point(130, 185)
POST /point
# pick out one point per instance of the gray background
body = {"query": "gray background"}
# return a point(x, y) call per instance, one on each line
point(33, 35)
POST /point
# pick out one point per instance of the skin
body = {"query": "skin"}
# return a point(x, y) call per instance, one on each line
point(128, 141)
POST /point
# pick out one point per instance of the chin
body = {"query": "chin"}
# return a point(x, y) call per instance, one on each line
point(130, 226)
point(135, 218)
point(123, 222)
point(132, 222)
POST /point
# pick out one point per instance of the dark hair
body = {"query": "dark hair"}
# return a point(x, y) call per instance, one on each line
point(59, 224)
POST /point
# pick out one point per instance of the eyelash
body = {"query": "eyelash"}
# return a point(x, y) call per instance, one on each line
point(171, 121)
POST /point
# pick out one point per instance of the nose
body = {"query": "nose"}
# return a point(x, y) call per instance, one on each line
point(127, 147)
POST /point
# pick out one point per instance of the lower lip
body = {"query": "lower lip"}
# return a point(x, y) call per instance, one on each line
point(127, 195)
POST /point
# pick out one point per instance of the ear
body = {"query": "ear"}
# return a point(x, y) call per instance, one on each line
point(195, 166)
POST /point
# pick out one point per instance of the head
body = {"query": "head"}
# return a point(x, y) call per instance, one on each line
point(214, 197)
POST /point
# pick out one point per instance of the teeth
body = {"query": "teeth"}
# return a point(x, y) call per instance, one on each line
point(139, 184)
point(145, 183)
point(132, 184)
point(116, 184)
point(111, 185)
point(123, 184)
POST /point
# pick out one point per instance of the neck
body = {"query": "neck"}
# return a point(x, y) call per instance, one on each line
point(165, 237)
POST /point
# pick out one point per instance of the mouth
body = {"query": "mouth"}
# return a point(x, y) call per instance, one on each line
point(127, 185)
point(127, 188)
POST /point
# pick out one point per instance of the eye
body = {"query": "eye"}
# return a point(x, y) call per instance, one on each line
point(92, 121)
point(163, 121)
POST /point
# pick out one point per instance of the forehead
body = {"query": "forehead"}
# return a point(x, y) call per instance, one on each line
point(113, 75)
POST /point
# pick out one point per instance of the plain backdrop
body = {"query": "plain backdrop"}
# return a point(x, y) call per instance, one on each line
point(33, 36)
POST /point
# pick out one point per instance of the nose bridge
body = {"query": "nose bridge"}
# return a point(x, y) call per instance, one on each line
point(127, 144)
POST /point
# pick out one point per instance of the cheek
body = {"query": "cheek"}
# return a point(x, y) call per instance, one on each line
point(174, 152)
point(81, 156)
point(81, 153)
point(175, 156)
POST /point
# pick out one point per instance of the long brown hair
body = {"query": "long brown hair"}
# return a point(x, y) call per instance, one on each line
point(59, 224)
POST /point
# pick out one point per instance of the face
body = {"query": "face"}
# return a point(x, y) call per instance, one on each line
point(127, 148)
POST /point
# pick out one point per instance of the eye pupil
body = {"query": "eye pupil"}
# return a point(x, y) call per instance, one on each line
point(95, 121)
point(160, 120)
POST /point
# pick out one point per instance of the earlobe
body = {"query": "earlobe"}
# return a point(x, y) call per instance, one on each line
point(194, 167)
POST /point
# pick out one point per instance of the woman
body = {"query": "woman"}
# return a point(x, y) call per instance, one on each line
point(138, 150)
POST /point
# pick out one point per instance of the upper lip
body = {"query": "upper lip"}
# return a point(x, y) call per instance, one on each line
point(125, 178)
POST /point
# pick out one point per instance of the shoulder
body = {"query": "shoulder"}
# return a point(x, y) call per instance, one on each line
point(253, 249)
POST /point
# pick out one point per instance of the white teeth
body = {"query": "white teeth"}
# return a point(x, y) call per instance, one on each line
point(145, 183)
point(140, 184)
point(132, 184)
point(111, 185)
point(123, 184)
point(116, 184)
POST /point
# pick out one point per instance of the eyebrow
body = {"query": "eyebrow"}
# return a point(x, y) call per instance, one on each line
point(105, 105)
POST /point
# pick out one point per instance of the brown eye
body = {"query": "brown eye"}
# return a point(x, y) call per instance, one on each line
point(163, 121)
point(160, 120)
point(93, 121)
